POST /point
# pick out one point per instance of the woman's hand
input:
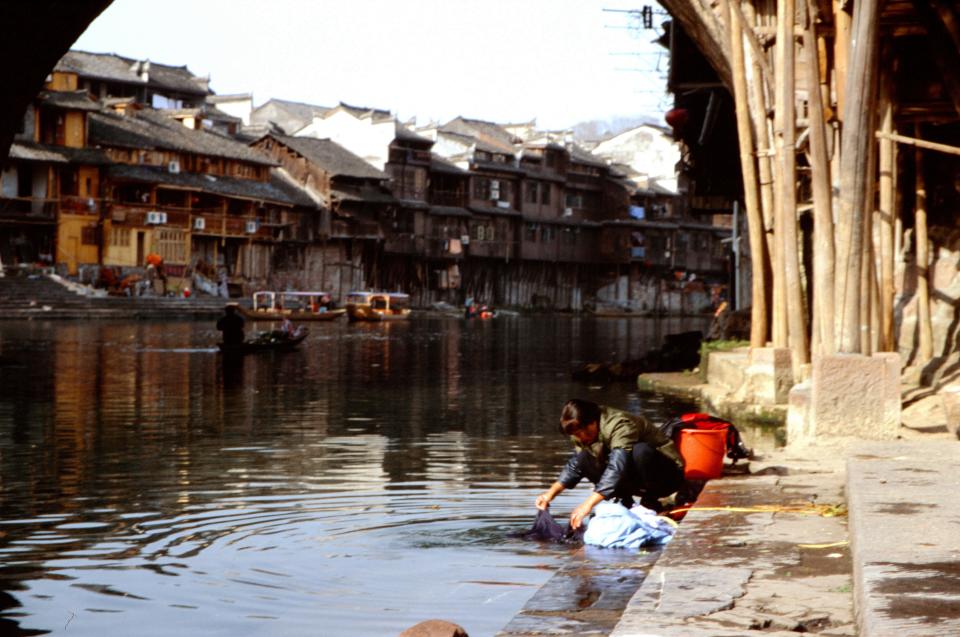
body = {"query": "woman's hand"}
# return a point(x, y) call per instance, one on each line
point(543, 500)
point(582, 511)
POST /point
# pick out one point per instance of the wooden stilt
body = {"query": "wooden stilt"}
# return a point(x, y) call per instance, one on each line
point(854, 158)
point(823, 250)
point(923, 261)
point(758, 313)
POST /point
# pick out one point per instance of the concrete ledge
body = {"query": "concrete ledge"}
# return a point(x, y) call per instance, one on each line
point(750, 568)
point(905, 537)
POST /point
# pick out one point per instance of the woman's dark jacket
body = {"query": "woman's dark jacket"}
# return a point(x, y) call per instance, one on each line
point(612, 452)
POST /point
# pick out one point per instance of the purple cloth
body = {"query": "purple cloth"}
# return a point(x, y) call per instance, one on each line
point(546, 529)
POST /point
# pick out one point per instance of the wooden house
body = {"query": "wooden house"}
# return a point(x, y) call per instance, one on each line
point(198, 199)
point(50, 189)
point(356, 196)
point(149, 83)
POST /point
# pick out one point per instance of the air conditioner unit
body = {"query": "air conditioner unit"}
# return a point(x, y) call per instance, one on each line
point(199, 223)
point(251, 227)
point(503, 204)
point(465, 239)
point(156, 217)
point(173, 166)
point(568, 212)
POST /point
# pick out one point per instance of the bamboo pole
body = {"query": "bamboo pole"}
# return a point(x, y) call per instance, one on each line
point(841, 49)
point(886, 214)
point(758, 312)
point(919, 143)
point(868, 270)
point(780, 321)
point(786, 148)
point(854, 157)
point(762, 135)
point(923, 260)
point(824, 258)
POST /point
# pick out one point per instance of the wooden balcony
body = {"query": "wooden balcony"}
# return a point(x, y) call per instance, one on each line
point(28, 209)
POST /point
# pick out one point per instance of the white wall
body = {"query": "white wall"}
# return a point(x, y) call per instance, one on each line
point(240, 106)
point(365, 138)
point(647, 150)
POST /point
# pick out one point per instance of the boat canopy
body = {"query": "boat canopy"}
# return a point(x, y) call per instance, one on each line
point(271, 300)
point(391, 299)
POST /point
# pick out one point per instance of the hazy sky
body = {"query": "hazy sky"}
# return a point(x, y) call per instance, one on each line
point(561, 61)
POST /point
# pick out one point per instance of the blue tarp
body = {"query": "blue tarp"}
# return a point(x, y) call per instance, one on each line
point(615, 526)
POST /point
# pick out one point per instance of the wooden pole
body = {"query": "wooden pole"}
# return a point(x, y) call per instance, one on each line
point(854, 158)
point(923, 261)
point(758, 312)
point(841, 49)
point(886, 214)
point(780, 321)
point(823, 252)
point(787, 159)
point(868, 272)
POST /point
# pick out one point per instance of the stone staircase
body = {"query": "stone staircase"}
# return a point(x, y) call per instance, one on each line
point(35, 295)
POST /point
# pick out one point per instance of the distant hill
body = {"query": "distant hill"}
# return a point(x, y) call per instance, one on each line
point(600, 129)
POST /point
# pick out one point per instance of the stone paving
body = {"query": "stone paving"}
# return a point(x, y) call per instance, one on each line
point(761, 553)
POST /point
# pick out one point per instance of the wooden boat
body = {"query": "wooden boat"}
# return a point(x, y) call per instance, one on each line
point(296, 306)
point(267, 342)
point(378, 306)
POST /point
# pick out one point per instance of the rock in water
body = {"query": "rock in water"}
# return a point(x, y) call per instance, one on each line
point(434, 628)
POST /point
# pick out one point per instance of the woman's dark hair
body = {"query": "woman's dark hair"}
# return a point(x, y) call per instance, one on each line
point(576, 413)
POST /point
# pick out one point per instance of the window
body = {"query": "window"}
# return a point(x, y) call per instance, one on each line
point(545, 194)
point(548, 234)
point(530, 232)
point(532, 188)
point(479, 233)
point(481, 188)
point(120, 237)
point(574, 200)
point(88, 235)
point(171, 245)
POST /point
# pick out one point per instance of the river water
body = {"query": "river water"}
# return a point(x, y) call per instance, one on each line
point(356, 486)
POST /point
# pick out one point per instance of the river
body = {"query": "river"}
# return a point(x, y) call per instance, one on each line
point(354, 487)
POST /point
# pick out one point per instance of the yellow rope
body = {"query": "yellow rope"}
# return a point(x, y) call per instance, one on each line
point(824, 510)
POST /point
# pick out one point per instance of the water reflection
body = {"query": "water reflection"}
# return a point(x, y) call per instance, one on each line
point(358, 485)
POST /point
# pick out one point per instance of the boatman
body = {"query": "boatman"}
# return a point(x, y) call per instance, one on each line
point(231, 325)
point(621, 454)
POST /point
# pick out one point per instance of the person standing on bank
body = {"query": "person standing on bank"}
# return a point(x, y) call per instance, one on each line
point(621, 454)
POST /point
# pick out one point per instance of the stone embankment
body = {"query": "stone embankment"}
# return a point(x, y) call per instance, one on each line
point(829, 535)
point(41, 297)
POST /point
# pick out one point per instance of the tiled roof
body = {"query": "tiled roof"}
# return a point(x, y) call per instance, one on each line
point(364, 111)
point(116, 68)
point(69, 100)
point(331, 157)
point(148, 129)
point(440, 164)
point(581, 156)
point(276, 190)
point(407, 135)
point(289, 116)
point(31, 151)
point(496, 138)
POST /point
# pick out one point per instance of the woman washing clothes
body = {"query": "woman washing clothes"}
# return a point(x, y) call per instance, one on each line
point(621, 454)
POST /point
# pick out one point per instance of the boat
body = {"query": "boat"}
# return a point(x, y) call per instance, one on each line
point(273, 341)
point(378, 306)
point(296, 306)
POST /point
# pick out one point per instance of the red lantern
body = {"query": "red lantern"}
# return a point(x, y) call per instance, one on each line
point(676, 117)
